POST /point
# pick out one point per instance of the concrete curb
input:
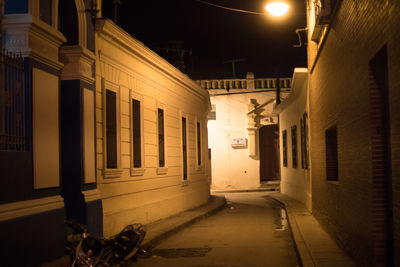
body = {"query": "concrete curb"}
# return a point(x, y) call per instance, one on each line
point(313, 244)
point(244, 190)
point(299, 243)
point(159, 230)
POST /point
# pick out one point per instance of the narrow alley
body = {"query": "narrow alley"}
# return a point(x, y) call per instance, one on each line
point(250, 231)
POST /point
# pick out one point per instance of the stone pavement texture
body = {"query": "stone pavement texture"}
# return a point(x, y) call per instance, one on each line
point(314, 245)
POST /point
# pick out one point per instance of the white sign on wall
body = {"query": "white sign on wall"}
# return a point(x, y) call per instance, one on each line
point(240, 142)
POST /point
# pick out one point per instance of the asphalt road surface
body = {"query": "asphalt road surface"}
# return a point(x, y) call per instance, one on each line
point(251, 231)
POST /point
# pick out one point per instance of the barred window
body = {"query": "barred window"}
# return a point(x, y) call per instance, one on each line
point(12, 103)
point(294, 146)
point(111, 128)
point(184, 149)
point(284, 147)
point(137, 144)
point(161, 149)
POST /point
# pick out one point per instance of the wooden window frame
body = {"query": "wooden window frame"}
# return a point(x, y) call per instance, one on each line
point(199, 143)
point(184, 129)
point(111, 172)
point(161, 169)
point(284, 149)
point(136, 171)
point(293, 132)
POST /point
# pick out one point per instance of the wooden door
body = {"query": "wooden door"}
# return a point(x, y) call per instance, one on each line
point(269, 152)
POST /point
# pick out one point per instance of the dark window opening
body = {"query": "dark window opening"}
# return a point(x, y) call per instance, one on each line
point(46, 10)
point(161, 152)
point(68, 21)
point(111, 128)
point(184, 148)
point(294, 146)
point(304, 141)
point(137, 149)
point(198, 144)
point(284, 147)
point(331, 154)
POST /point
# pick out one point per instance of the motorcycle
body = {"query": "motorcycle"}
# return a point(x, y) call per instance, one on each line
point(89, 251)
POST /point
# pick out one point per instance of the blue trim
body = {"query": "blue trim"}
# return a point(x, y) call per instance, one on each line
point(94, 217)
point(17, 167)
point(33, 240)
point(16, 6)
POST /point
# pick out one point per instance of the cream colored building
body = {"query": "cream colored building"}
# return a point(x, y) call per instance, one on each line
point(158, 185)
point(293, 132)
point(240, 108)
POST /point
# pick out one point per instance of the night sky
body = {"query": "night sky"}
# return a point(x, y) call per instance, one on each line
point(210, 35)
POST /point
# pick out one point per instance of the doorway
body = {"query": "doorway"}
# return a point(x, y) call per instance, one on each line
point(381, 159)
point(269, 153)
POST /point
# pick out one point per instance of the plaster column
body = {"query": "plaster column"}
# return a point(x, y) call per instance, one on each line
point(252, 129)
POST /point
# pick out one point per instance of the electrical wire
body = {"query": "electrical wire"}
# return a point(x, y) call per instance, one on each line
point(231, 9)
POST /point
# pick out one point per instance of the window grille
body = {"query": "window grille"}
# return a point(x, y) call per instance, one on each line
point(161, 151)
point(12, 103)
point(294, 146)
point(111, 128)
point(137, 148)
point(284, 147)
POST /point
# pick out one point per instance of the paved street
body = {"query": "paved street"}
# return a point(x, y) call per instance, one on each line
point(249, 232)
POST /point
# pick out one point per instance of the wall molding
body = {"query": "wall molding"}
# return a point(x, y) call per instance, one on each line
point(32, 38)
point(30, 207)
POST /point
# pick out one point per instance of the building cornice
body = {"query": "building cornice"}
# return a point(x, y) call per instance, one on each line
point(106, 28)
point(32, 38)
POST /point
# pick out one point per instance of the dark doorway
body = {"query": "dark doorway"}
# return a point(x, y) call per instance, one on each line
point(382, 207)
point(269, 153)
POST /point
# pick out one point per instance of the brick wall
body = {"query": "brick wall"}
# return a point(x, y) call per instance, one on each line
point(339, 94)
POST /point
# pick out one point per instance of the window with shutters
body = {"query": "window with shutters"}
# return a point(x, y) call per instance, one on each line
point(184, 149)
point(294, 146)
point(198, 143)
point(136, 134)
point(161, 138)
point(111, 129)
point(284, 148)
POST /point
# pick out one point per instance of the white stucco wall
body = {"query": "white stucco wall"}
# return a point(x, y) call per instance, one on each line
point(233, 168)
point(295, 182)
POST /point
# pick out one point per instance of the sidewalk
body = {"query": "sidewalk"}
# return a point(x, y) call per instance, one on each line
point(161, 229)
point(315, 247)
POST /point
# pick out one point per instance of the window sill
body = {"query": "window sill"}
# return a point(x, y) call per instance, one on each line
point(162, 170)
point(112, 173)
point(199, 168)
point(137, 171)
point(334, 182)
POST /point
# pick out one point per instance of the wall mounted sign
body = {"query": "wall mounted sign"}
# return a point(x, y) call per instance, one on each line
point(239, 142)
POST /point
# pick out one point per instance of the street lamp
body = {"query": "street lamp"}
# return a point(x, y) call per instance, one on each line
point(277, 9)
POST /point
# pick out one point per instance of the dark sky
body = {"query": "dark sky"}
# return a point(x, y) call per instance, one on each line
point(214, 35)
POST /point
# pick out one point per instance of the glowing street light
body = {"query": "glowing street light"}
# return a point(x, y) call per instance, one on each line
point(277, 9)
